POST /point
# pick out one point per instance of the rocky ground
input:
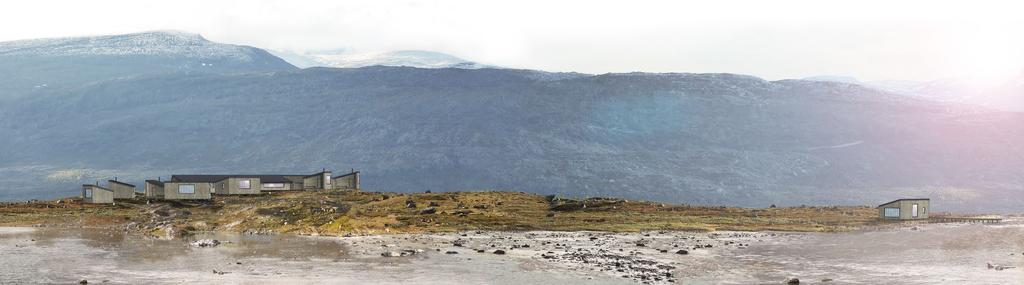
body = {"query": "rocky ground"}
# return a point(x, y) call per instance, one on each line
point(647, 257)
point(900, 254)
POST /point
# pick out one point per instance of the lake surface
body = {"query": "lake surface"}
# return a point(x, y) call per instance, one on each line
point(927, 254)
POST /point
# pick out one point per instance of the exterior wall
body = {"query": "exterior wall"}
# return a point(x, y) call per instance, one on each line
point(287, 187)
point(230, 186)
point(153, 190)
point(202, 191)
point(99, 195)
point(121, 191)
point(317, 181)
point(906, 209)
point(349, 181)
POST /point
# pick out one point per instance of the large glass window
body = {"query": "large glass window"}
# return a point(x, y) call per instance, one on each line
point(892, 212)
point(88, 193)
point(913, 210)
point(273, 185)
point(244, 184)
point(187, 188)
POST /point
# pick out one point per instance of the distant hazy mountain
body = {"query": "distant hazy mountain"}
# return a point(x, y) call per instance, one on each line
point(32, 65)
point(683, 138)
point(834, 78)
point(1007, 96)
point(348, 59)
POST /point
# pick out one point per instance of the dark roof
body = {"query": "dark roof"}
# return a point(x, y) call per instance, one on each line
point(122, 183)
point(264, 178)
point(344, 175)
point(904, 199)
point(96, 186)
point(156, 182)
point(318, 173)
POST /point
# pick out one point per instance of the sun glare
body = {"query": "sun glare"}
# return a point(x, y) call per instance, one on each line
point(987, 59)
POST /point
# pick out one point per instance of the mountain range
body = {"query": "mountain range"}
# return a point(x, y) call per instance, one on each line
point(153, 104)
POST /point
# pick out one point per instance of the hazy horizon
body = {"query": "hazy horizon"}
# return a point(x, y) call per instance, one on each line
point(870, 41)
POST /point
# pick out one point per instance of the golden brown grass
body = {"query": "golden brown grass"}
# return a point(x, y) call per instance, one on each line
point(339, 213)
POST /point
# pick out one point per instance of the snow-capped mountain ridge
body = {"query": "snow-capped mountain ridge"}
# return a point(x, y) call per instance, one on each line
point(155, 43)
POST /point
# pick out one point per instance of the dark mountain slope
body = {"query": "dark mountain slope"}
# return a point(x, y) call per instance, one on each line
point(689, 138)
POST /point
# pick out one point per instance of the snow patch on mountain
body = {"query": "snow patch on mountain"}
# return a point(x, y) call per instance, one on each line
point(354, 59)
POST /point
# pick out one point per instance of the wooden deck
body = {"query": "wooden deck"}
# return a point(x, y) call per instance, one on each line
point(969, 220)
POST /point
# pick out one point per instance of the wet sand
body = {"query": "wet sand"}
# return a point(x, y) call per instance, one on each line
point(927, 254)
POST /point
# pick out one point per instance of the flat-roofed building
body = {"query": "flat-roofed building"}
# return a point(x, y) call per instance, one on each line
point(905, 209)
point(121, 190)
point(95, 194)
point(348, 181)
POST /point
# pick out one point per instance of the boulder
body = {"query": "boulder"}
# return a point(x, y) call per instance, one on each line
point(682, 251)
point(499, 252)
point(428, 211)
point(792, 281)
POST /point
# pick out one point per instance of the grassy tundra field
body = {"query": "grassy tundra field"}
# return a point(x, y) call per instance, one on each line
point(341, 213)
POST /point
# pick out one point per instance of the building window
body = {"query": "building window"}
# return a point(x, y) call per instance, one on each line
point(891, 212)
point(187, 189)
point(244, 184)
point(913, 210)
point(88, 193)
point(273, 185)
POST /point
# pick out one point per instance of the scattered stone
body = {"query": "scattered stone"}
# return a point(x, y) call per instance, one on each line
point(390, 254)
point(219, 272)
point(428, 211)
point(83, 282)
point(682, 251)
point(499, 252)
point(451, 252)
point(792, 281)
point(205, 243)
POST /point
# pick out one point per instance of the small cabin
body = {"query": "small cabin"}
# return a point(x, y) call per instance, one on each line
point(94, 194)
point(904, 209)
point(348, 181)
point(154, 189)
point(121, 190)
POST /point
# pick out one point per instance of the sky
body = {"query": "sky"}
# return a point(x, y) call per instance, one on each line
point(866, 39)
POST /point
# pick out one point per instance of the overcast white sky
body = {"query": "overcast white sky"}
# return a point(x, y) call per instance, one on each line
point(871, 40)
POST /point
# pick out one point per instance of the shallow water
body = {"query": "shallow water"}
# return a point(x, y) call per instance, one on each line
point(930, 254)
